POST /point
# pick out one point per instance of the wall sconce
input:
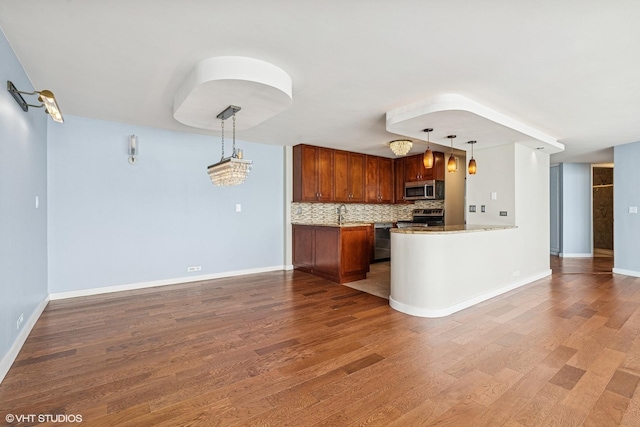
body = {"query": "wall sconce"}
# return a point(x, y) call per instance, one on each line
point(45, 96)
point(133, 149)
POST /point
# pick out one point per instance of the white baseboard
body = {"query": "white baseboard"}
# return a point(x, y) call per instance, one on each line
point(165, 282)
point(626, 272)
point(554, 253)
point(288, 267)
point(577, 255)
point(441, 312)
point(10, 357)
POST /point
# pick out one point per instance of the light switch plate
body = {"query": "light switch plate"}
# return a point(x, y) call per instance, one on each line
point(472, 208)
point(238, 207)
point(494, 195)
point(633, 209)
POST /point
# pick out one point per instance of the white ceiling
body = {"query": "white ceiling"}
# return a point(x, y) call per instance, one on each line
point(569, 69)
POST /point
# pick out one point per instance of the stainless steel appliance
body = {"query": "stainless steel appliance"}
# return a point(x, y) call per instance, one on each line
point(424, 190)
point(424, 218)
point(382, 240)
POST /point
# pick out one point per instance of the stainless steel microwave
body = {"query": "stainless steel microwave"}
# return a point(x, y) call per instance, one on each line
point(424, 190)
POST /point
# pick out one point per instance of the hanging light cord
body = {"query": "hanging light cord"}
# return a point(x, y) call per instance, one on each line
point(222, 121)
point(234, 154)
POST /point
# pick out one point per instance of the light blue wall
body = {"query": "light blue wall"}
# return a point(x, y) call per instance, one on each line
point(626, 193)
point(112, 223)
point(575, 179)
point(23, 228)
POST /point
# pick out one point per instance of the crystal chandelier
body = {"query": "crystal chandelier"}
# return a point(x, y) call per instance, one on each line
point(232, 170)
point(400, 147)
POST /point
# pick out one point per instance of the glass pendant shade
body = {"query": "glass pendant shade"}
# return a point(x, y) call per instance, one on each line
point(400, 147)
point(427, 159)
point(230, 171)
point(451, 164)
point(472, 166)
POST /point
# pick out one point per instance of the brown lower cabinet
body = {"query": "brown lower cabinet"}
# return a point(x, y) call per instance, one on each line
point(339, 254)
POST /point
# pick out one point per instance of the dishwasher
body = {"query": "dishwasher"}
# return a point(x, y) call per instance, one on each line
point(382, 241)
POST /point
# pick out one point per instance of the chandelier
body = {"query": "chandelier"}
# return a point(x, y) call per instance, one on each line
point(400, 147)
point(232, 170)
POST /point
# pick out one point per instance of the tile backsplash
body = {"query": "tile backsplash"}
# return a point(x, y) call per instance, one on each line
point(326, 213)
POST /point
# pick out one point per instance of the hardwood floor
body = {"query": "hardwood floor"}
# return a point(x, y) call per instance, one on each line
point(287, 348)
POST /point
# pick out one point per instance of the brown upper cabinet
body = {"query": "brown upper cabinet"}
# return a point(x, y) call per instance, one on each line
point(415, 170)
point(312, 174)
point(398, 180)
point(379, 180)
point(349, 175)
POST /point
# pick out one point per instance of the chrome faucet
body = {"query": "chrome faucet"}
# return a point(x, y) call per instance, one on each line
point(340, 214)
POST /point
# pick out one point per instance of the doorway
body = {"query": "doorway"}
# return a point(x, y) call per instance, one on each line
point(602, 199)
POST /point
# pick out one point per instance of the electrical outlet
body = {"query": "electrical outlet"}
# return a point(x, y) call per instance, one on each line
point(194, 268)
point(516, 273)
point(503, 213)
point(482, 208)
point(19, 322)
point(633, 209)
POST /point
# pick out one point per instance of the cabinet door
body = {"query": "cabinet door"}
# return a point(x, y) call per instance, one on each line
point(398, 180)
point(385, 180)
point(341, 172)
point(305, 171)
point(371, 193)
point(303, 246)
point(324, 174)
point(357, 177)
point(413, 169)
point(354, 250)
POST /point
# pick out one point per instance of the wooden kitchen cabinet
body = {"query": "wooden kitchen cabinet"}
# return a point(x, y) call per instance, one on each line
point(379, 181)
point(415, 170)
point(312, 174)
point(398, 180)
point(349, 176)
point(339, 254)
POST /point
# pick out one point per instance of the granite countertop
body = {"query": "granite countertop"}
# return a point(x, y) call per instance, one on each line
point(447, 229)
point(346, 224)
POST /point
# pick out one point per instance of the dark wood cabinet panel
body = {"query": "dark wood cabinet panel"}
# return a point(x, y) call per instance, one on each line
point(312, 174)
point(354, 252)
point(398, 180)
point(385, 180)
point(349, 170)
point(326, 244)
point(379, 185)
point(438, 166)
point(303, 246)
point(339, 254)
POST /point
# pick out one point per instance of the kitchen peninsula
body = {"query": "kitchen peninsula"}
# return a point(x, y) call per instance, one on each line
point(436, 271)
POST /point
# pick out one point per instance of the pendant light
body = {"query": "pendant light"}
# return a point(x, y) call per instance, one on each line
point(427, 159)
point(452, 165)
point(472, 162)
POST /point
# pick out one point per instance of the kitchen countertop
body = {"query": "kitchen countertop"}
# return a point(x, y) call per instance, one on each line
point(447, 229)
point(346, 224)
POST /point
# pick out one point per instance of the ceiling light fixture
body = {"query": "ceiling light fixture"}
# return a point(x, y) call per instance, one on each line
point(452, 165)
point(232, 170)
point(400, 147)
point(472, 162)
point(427, 159)
point(44, 96)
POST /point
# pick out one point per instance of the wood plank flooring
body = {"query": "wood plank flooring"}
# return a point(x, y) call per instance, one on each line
point(287, 348)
